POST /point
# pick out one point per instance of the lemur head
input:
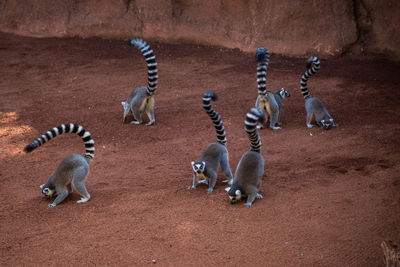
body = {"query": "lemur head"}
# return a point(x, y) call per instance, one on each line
point(327, 123)
point(235, 194)
point(126, 110)
point(283, 93)
point(48, 190)
point(198, 166)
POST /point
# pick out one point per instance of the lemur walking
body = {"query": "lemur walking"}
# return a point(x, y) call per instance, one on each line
point(270, 103)
point(72, 170)
point(215, 153)
point(316, 111)
point(141, 99)
point(249, 171)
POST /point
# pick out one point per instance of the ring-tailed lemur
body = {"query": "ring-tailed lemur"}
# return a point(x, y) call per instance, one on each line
point(249, 172)
point(270, 103)
point(316, 111)
point(72, 170)
point(141, 99)
point(215, 154)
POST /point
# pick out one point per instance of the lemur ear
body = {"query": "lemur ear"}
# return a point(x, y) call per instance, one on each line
point(227, 189)
point(192, 163)
point(41, 187)
point(123, 104)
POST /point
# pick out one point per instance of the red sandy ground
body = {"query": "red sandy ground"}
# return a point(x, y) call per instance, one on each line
point(331, 197)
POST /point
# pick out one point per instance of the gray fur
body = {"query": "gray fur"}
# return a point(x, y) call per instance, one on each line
point(139, 103)
point(72, 171)
point(215, 154)
point(316, 111)
point(271, 104)
point(249, 171)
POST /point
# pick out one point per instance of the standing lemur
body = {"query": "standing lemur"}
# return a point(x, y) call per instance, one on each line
point(141, 99)
point(215, 153)
point(270, 103)
point(316, 111)
point(72, 170)
point(249, 171)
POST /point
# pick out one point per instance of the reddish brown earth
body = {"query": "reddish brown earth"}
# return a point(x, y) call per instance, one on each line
point(331, 197)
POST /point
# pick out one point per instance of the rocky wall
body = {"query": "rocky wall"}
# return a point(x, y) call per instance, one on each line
point(294, 28)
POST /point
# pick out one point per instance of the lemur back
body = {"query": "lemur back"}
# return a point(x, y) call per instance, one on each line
point(270, 103)
point(316, 111)
point(215, 154)
point(72, 170)
point(249, 172)
point(141, 99)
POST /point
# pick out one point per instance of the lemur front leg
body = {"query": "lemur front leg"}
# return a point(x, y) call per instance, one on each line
point(62, 194)
point(195, 182)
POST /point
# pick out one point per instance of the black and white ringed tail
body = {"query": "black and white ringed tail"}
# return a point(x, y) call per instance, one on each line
point(311, 70)
point(253, 117)
point(65, 128)
point(262, 57)
point(152, 72)
point(216, 119)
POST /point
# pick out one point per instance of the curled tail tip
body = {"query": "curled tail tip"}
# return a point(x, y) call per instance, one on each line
point(29, 148)
point(311, 60)
point(262, 54)
point(256, 114)
point(136, 42)
point(210, 94)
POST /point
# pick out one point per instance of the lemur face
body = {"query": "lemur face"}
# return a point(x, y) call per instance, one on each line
point(47, 191)
point(199, 166)
point(284, 93)
point(327, 123)
point(234, 195)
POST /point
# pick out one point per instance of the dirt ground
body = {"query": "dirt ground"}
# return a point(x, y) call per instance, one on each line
point(331, 197)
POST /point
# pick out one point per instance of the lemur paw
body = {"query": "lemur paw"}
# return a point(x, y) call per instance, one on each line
point(259, 196)
point(150, 123)
point(310, 126)
point(192, 187)
point(209, 190)
point(136, 122)
point(83, 200)
point(247, 204)
point(275, 128)
point(52, 205)
point(230, 181)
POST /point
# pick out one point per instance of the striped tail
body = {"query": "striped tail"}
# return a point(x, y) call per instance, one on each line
point(65, 128)
point(152, 73)
point(253, 117)
point(310, 71)
point(262, 56)
point(216, 119)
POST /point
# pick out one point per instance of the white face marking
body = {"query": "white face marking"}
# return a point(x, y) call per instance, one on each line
point(48, 192)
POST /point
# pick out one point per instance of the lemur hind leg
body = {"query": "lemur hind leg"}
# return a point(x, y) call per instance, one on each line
point(79, 183)
point(137, 116)
point(309, 119)
point(226, 170)
point(274, 121)
point(252, 196)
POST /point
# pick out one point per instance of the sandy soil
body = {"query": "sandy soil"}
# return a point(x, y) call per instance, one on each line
point(331, 197)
